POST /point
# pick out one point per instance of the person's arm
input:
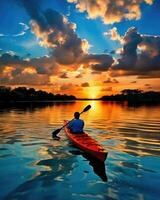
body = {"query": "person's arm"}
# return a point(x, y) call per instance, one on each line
point(70, 125)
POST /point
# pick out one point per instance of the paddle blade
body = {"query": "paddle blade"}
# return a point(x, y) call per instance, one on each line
point(55, 133)
point(86, 108)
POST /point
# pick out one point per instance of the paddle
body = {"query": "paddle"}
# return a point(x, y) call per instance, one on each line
point(55, 133)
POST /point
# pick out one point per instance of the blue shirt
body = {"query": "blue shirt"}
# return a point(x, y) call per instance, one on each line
point(76, 126)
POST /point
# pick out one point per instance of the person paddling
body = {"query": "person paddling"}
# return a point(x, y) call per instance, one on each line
point(76, 125)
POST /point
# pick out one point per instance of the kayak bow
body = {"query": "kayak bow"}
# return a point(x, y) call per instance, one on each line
point(87, 144)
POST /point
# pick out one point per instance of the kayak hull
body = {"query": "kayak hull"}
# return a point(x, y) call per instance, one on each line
point(87, 144)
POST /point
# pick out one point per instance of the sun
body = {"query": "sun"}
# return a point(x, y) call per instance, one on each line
point(93, 96)
point(92, 92)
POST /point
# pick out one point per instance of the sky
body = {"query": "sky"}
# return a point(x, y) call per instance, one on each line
point(84, 48)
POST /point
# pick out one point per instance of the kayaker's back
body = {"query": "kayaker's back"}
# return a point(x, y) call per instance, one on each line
point(76, 126)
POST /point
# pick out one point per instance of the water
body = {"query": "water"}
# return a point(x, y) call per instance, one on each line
point(34, 166)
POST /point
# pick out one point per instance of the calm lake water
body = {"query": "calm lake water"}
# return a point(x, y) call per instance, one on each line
point(34, 166)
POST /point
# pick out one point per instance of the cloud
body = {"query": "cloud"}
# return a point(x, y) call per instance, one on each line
point(29, 79)
point(96, 72)
point(111, 11)
point(35, 71)
point(64, 75)
point(66, 86)
point(98, 62)
point(112, 52)
point(139, 56)
point(79, 76)
point(43, 65)
point(109, 80)
point(86, 84)
point(148, 86)
point(25, 27)
point(113, 34)
point(106, 89)
point(27, 76)
point(54, 31)
point(2, 35)
point(70, 87)
point(10, 59)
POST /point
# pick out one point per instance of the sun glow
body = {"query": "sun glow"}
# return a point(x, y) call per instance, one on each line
point(93, 92)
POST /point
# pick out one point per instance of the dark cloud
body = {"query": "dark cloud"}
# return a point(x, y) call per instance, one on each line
point(7, 59)
point(32, 8)
point(64, 75)
point(96, 72)
point(112, 52)
point(109, 80)
point(140, 55)
point(25, 79)
point(86, 84)
point(129, 54)
point(98, 62)
point(105, 51)
point(56, 33)
point(43, 65)
point(15, 70)
point(79, 76)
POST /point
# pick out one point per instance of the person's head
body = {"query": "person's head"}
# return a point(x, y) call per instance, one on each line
point(76, 115)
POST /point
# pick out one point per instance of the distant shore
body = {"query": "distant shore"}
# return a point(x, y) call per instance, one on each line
point(23, 94)
point(30, 95)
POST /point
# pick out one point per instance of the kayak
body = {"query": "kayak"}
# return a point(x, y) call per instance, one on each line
point(87, 144)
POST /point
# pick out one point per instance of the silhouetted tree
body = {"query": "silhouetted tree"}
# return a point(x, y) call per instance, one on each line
point(135, 96)
point(24, 94)
point(129, 92)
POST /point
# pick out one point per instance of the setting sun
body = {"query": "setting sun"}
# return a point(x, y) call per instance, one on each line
point(92, 92)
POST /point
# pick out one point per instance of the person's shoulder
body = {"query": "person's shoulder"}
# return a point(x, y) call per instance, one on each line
point(81, 120)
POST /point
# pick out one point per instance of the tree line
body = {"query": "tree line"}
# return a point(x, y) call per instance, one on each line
point(30, 94)
point(134, 96)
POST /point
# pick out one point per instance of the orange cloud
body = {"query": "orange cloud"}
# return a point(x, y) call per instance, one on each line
point(111, 11)
point(114, 35)
point(86, 84)
point(29, 70)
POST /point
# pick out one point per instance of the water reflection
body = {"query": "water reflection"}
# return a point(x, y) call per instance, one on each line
point(30, 106)
point(58, 169)
point(98, 166)
point(33, 166)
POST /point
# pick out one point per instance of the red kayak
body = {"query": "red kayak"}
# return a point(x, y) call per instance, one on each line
point(87, 144)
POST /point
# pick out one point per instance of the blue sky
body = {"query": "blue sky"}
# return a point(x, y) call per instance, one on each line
point(92, 30)
point(16, 35)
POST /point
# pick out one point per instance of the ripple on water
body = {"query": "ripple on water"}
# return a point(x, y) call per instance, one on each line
point(32, 165)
